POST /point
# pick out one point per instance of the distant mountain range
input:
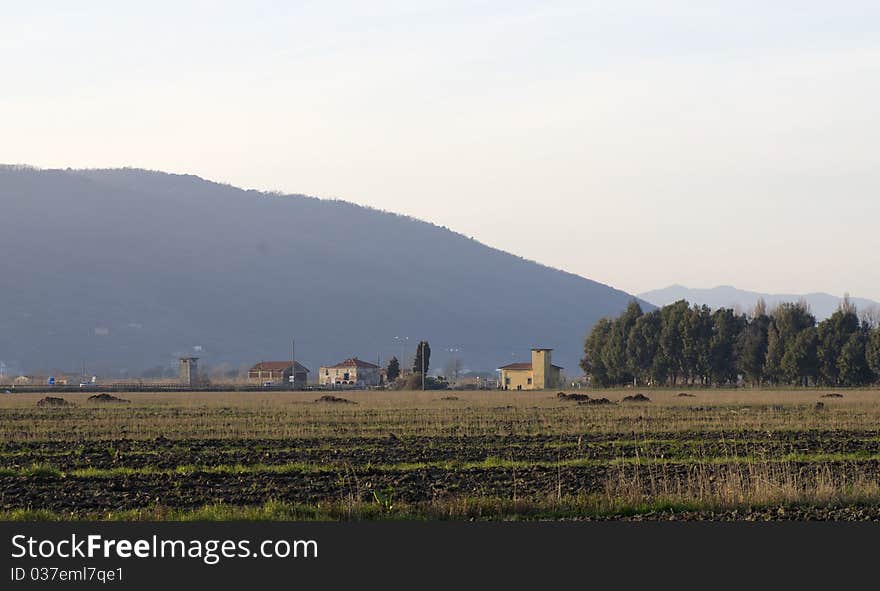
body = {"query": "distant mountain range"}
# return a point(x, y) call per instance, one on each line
point(124, 270)
point(822, 305)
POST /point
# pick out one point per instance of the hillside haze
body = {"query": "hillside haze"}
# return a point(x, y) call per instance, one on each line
point(123, 270)
point(822, 305)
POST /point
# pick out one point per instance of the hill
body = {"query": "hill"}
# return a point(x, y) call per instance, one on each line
point(127, 269)
point(822, 305)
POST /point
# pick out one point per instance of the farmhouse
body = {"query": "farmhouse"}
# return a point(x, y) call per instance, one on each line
point(351, 372)
point(277, 373)
point(539, 374)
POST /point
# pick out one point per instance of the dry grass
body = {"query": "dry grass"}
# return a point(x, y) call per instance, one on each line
point(295, 414)
point(729, 474)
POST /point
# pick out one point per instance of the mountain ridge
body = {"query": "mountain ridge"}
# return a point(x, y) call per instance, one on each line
point(127, 268)
point(821, 304)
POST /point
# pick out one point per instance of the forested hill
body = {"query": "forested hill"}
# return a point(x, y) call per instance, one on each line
point(127, 269)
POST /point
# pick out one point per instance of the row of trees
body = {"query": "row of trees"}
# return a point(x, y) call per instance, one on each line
point(684, 344)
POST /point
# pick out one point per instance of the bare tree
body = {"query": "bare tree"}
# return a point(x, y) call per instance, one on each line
point(846, 305)
point(760, 308)
point(871, 316)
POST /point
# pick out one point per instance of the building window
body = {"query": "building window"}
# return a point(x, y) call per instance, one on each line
point(506, 381)
point(530, 381)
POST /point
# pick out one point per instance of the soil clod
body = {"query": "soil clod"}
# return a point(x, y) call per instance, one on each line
point(636, 398)
point(107, 398)
point(53, 401)
point(564, 396)
point(335, 399)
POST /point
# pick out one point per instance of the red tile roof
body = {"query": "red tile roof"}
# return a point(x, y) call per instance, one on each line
point(527, 365)
point(355, 362)
point(278, 366)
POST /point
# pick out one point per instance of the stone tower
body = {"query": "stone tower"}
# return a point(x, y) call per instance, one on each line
point(541, 369)
point(188, 371)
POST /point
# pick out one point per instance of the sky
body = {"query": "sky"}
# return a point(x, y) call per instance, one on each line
point(637, 143)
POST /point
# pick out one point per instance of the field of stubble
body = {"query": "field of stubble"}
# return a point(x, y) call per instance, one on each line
point(722, 455)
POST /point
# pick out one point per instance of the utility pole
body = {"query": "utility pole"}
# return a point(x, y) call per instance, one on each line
point(422, 347)
point(293, 364)
point(402, 341)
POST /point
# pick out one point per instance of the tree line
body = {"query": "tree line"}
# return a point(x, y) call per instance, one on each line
point(682, 344)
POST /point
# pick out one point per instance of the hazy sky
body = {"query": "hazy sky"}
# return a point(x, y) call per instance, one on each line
point(636, 143)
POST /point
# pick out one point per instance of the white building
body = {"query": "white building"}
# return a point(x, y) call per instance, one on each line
point(350, 373)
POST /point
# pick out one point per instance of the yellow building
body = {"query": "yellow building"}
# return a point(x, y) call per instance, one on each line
point(540, 374)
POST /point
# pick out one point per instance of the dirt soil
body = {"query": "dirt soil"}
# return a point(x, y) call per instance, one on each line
point(334, 399)
point(72, 494)
point(417, 469)
point(107, 398)
point(50, 401)
point(595, 401)
point(564, 396)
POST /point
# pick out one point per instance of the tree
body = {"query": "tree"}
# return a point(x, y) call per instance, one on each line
point(680, 341)
point(696, 331)
point(392, 372)
point(834, 334)
point(592, 363)
point(726, 328)
point(775, 350)
point(671, 343)
point(872, 353)
point(422, 361)
point(752, 347)
point(642, 346)
point(871, 316)
point(614, 349)
point(800, 363)
point(787, 322)
point(853, 365)
point(760, 309)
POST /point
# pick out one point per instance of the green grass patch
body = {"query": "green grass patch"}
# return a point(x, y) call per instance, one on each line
point(595, 507)
point(38, 471)
point(41, 471)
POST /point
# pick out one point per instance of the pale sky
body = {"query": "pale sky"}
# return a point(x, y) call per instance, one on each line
point(636, 143)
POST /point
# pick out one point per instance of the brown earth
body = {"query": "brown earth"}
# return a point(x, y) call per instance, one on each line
point(334, 399)
point(564, 396)
point(89, 495)
point(50, 401)
point(107, 398)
